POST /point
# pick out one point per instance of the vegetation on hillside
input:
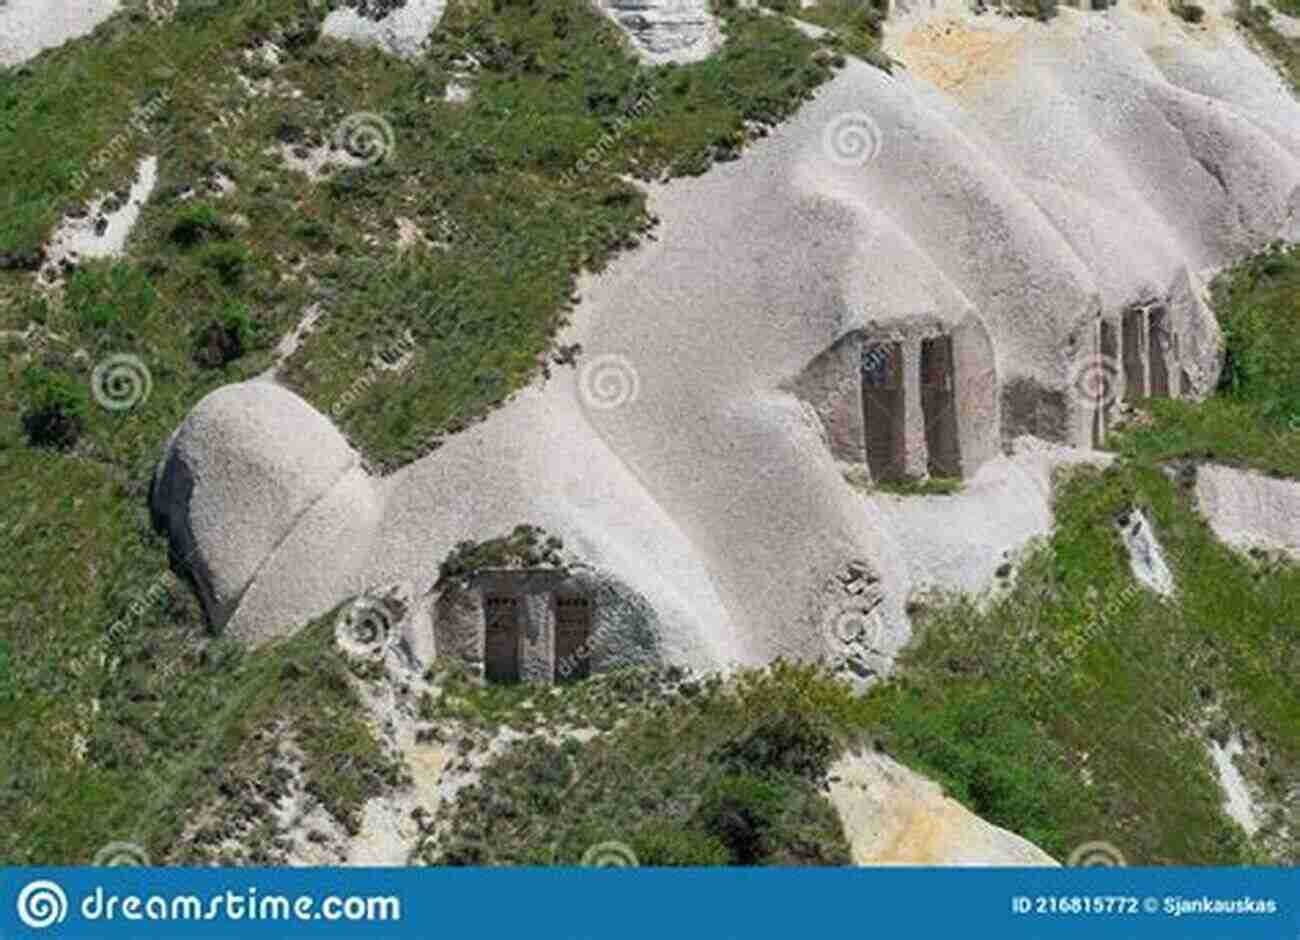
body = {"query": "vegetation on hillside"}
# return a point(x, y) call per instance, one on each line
point(1254, 418)
point(1257, 20)
point(1074, 709)
point(110, 678)
point(709, 773)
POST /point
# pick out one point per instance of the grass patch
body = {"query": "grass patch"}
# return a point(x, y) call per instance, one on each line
point(1077, 707)
point(857, 26)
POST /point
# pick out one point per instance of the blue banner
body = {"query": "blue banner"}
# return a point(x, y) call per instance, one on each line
point(630, 904)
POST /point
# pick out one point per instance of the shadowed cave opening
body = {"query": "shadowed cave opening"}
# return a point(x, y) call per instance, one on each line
point(939, 408)
point(884, 410)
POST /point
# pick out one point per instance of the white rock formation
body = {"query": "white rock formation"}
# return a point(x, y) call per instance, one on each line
point(101, 231)
point(1146, 559)
point(1250, 510)
point(401, 33)
point(663, 31)
point(1237, 801)
point(28, 26)
point(894, 816)
point(1044, 180)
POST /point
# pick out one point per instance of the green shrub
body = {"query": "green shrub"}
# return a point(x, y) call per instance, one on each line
point(56, 408)
point(741, 812)
point(198, 222)
point(789, 742)
point(230, 260)
point(8, 681)
point(225, 338)
point(1251, 15)
point(1042, 10)
point(528, 546)
point(665, 843)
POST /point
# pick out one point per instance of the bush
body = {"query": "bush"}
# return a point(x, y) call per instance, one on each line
point(527, 546)
point(228, 259)
point(226, 338)
point(1251, 14)
point(742, 813)
point(1041, 10)
point(667, 844)
point(1191, 12)
point(56, 408)
point(198, 222)
point(788, 743)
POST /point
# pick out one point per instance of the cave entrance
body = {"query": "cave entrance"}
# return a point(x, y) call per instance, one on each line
point(1109, 348)
point(883, 411)
point(1135, 378)
point(502, 639)
point(1158, 334)
point(939, 407)
point(572, 639)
